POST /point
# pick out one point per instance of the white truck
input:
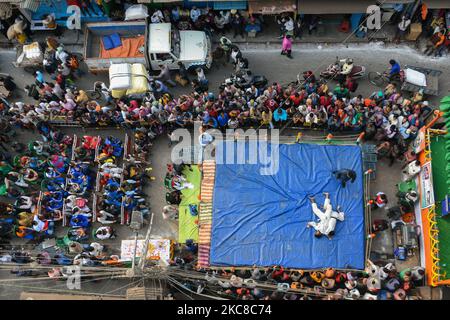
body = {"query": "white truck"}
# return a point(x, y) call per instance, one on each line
point(152, 44)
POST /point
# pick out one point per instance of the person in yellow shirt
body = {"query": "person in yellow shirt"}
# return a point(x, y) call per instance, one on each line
point(267, 118)
point(81, 97)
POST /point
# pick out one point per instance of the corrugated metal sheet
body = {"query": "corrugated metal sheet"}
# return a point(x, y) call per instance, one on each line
point(333, 6)
point(437, 4)
point(31, 5)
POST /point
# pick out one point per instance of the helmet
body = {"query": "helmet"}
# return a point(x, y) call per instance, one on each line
point(392, 61)
point(349, 61)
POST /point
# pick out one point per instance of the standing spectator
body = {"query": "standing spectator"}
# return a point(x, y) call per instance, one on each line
point(100, 6)
point(280, 21)
point(287, 46)
point(435, 42)
point(175, 14)
point(313, 24)
point(164, 76)
point(157, 17)
point(219, 22)
point(298, 26)
point(402, 27)
point(253, 25)
point(227, 16)
point(39, 78)
point(289, 26)
point(86, 7)
point(201, 78)
point(440, 49)
point(238, 25)
point(107, 7)
point(182, 77)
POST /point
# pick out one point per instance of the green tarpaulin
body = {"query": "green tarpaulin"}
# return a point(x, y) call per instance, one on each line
point(440, 190)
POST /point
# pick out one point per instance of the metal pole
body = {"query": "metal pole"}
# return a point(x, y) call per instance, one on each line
point(145, 247)
point(133, 262)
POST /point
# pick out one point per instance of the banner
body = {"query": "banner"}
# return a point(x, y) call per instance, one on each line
point(419, 142)
point(426, 186)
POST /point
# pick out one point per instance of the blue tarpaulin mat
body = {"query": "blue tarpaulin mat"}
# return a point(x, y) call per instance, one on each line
point(261, 219)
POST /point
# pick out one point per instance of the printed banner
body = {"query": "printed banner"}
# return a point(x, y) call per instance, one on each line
point(158, 249)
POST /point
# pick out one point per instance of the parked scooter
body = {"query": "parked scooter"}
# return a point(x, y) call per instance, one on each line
point(334, 70)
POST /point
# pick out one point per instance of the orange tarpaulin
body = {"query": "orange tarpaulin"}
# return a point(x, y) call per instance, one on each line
point(129, 48)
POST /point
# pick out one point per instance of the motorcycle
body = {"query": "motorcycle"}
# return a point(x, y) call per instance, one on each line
point(334, 70)
point(245, 79)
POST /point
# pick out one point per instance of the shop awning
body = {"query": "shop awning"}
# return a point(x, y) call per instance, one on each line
point(437, 4)
point(272, 6)
point(395, 1)
point(333, 6)
point(158, 1)
point(228, 5)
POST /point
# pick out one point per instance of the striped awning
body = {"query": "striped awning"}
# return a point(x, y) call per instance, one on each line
point(5, 10)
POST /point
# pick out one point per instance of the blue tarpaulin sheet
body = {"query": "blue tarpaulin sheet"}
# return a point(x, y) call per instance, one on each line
point(261, 219)
point(59, 9)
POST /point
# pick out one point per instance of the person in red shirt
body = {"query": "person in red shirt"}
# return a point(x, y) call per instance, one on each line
point(326, 100)
point(296, 99)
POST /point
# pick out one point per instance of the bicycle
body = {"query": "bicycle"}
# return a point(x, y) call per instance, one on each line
point(382, 79)
point(379, 79)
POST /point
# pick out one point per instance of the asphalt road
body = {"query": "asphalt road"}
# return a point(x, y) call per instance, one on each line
point(264, 60)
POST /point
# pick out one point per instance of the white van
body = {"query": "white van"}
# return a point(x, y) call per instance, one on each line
point(167, 46)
